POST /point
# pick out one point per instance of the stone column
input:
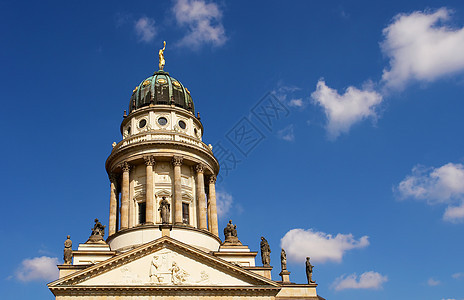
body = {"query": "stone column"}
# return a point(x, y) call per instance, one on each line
point(113, 205)
point(177, 163)
point(201, 196)
point(213, 207)
point(150, 162)
point(125, 195)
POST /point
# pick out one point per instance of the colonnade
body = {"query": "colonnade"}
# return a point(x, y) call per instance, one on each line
point(204, 214)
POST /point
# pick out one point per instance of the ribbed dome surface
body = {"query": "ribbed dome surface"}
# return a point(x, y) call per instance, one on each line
point(161, 89)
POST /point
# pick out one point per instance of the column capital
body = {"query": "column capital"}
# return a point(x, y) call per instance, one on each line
point(113, 177)
point(199, 168)
point(212, 179)
point(177, 160)
point(125, 166)
point(149, 160)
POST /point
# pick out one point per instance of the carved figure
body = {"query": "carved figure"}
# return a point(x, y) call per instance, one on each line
point(67, 255)
point(309, 271)
point(265, 252)
point(165, 209)
point(178, 275)
point(154, 266)
point(161, 57)
point(98, 232)
point(283, 260)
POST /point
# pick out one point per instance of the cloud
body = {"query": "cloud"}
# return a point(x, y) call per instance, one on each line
point(458, 275)
point(224, 202)
point(367, 280)
point(296, 102)
point(286, 134)
point(38, 269)
point(320, 246)
point(433, 282)
point(342, 111)
point(145, 29)
point(443, 185)
point(420, 46)
point(204, 22)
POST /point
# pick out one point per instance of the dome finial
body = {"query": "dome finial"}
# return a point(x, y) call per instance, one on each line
point(161, 57)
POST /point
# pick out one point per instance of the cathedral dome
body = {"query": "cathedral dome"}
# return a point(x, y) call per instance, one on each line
point(161, 89)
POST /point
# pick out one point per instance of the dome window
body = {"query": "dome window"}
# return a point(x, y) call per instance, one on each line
point(142, 123)
point(128, 130)
point(162, 80)
point(182, 124)
point(162, 121)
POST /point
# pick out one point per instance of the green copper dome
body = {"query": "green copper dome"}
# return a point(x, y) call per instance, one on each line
point(161, 89)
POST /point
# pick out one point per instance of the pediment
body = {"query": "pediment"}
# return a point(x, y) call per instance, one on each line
point(164, 262)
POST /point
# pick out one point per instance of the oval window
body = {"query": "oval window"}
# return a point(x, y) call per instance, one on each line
point(162, 121)
point(142, 123)
point(182, 124)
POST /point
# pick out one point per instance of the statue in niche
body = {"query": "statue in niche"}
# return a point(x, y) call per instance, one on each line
point(165, 210)
point(283, 260)
point(309, 271)
point(265, 252)
point(98, 232)
point(67, 255)
point(230, 234)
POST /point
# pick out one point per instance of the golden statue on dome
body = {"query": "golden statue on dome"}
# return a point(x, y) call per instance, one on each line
point(161, 57)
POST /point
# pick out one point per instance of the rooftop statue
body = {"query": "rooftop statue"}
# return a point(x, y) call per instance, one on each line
point(309, 271)
point(283, 260)
point(230, 234)
point(265, 252)
point(67, 255)
point(98, 232)
point(161, 57)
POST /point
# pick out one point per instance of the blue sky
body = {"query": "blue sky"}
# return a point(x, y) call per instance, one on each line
point(360, 167)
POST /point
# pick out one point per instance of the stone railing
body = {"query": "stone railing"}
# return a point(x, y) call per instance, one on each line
point(161, 136)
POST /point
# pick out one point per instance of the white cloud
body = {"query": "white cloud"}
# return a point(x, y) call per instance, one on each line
point(458, 275)
point(320, 246)
point(224, 202)
point(38, 268)
point(286, 134)
point(342, 111)
point(437, 185)
point(367, 280)
point(421, 47)
point(145, 29)
point(433, 282)
point(296, 102)
point(203, 20)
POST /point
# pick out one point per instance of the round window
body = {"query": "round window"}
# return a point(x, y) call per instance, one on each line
point(162, 121)
point(182, 124)
point(142, 123)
